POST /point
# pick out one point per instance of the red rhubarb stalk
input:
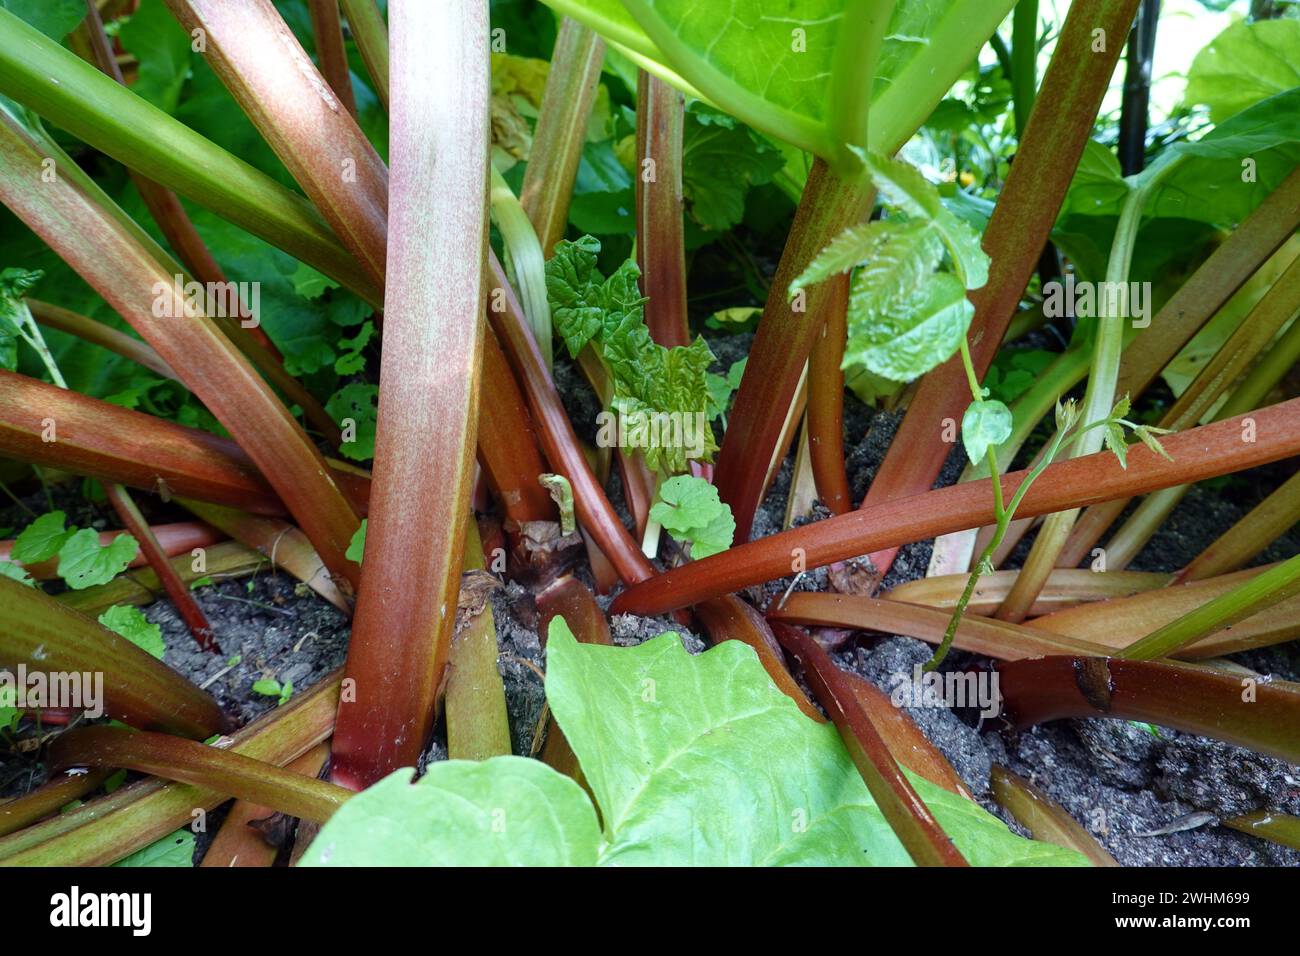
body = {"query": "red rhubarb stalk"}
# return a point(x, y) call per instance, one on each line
point(904, 810)
point(433, 346)
point(1058, 128)
point(1199, 453)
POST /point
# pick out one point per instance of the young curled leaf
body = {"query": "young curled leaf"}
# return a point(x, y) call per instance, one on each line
point(573, 288)
point(562, 494)
point(985, 425)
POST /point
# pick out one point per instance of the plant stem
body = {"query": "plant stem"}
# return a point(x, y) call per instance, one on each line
point(371, 34)
point(139, 689)
point(1024, 61)
point(1277, 584)
point(180, 595)
point(199, 765)
point(524, 261)
point(1265, 523)
point(1043, 817)
point(1182, 696)
point(1097, 403)
point(477, 724)
point(1137, 89)
point(825, 418)
point(327, 31)
point(1199, 453)
point(429, 382)
point(561, 130)
point(660, 230)
point(783, 342)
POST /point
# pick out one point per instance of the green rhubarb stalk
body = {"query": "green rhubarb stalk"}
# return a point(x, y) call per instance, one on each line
point(371, 34)
point(1277, 584)
point(1103, 376)
point(477, 724)
point(524, 261)
point(78, 98)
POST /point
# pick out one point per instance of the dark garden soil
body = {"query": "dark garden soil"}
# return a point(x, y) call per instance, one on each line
point(1151, 798)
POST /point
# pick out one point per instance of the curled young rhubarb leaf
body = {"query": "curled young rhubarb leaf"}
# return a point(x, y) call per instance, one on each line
point(661, 394)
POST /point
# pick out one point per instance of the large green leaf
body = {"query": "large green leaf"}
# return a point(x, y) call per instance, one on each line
point(693, 760)
point(55, 18)
point(1244, 64)
point(1218, 179)
point(701, 760)
point(507, 811)
point(793, 68)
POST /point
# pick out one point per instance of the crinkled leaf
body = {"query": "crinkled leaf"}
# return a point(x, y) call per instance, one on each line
point(42, 539)
point(1244, 64)
point(14, 285)
point(1121, 408)
point(985, 425)
point(354, 407)
point(690, 510)
point(914, 334)
point(506, 811)
point(573, 288)
point(128, 621)
point(83, 563)
point(701, 760)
